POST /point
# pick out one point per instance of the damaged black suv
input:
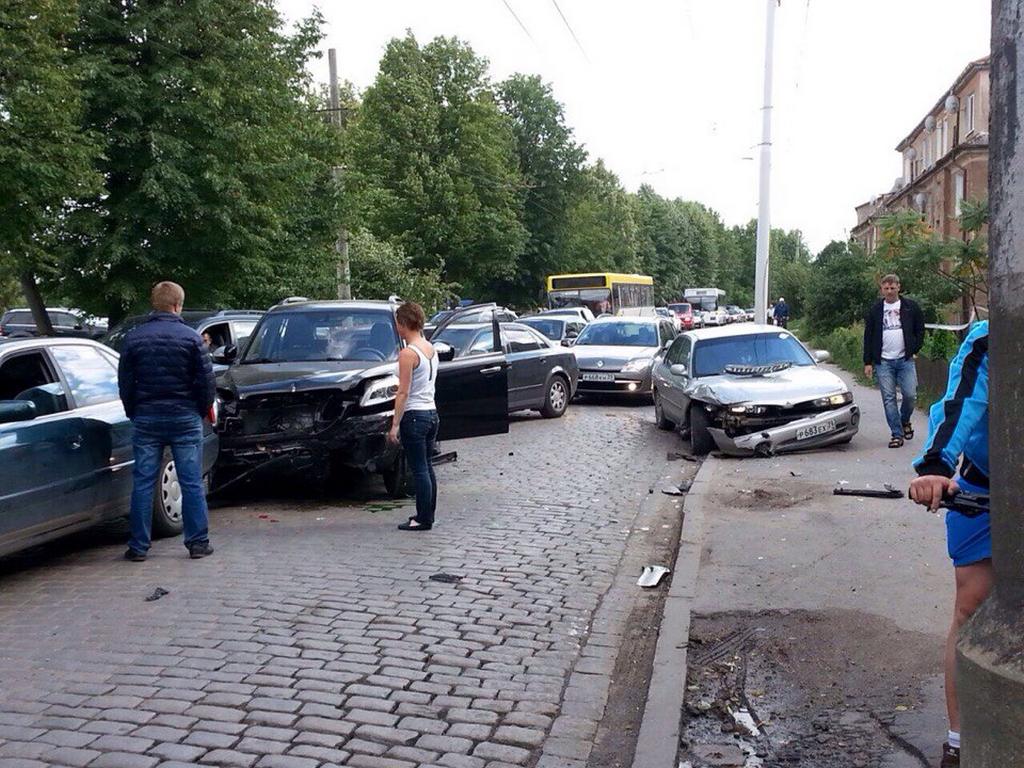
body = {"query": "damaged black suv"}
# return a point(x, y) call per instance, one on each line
point(314, 391)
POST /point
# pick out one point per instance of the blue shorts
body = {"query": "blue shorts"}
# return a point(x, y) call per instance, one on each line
point(968, 539)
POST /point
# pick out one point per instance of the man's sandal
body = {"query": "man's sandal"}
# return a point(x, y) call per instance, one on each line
point(896, 442)
point(908, 431)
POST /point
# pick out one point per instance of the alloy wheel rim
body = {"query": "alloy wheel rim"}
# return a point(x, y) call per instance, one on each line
point(557, 395)
point(170, 493)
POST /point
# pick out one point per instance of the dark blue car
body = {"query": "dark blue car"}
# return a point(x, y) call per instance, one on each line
point(65, 444)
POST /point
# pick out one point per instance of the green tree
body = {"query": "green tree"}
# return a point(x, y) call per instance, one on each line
point(45, 159)
point(216, 169)
point(432, 164)
point(381, 270)
point(840, 289)
point(665, 236)
point(909, 248)
point(601, 233)
point(551, 165)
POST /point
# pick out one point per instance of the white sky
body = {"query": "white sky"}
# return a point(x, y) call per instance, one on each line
point(669, 91)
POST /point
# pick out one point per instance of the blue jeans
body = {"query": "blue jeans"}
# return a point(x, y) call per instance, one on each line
point(891, 374)
point(184, 435)
point(418, 431)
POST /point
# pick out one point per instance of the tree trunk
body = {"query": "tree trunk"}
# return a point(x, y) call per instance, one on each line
point(35, 303)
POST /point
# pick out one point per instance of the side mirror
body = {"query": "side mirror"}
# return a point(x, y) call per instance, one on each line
point(822, 355)
point(445, 352)
point(678, 369)
point(16, 410)
point(568, 340)
point(225, 355)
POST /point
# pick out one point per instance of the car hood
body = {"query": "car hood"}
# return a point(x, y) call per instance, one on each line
point(588, 355)
point(265, 378)
point(793, 385)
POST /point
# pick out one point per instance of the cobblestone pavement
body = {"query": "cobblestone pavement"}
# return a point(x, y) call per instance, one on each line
point(314, 635)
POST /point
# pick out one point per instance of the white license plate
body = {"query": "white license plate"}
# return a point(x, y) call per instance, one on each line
point(599, 377)
point(814, 430)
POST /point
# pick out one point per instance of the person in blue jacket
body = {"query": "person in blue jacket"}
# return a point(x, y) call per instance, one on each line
point(955, 457)
point(166, 384)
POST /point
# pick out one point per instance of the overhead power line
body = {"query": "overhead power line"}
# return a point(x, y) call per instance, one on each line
point(519, 21)
point(571, 32)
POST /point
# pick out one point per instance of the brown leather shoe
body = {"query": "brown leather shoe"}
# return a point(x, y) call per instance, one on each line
point(950, 756)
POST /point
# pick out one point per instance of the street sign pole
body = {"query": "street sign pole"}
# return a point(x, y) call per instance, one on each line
point(764, 196)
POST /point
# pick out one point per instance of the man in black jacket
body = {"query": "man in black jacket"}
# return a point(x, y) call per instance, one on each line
point(893, 335)
point(167, 387)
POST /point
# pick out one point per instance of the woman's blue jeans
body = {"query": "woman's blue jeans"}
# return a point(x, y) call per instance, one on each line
point(418, 431)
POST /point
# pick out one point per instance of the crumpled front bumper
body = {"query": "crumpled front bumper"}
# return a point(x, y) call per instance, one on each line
point(793, 436)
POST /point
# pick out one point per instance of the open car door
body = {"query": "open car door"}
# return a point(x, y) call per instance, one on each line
point(471, 393)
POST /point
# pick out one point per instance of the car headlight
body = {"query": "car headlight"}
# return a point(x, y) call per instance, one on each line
point(637, 365)
point(380, 391)
point(841, 399)
point(752, 409)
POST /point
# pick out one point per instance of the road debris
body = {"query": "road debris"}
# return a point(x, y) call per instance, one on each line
point(676, 455)
point(651, 576)
point(157, 594)
point(446, 578)
point(871, 493)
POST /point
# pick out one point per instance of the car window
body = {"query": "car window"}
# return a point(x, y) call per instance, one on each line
point(667, 332)
point(219, 335)
point(90, 375)
point(521, 340)
point(482, 344)
point(711, 356)
point(29, 377)
point(21, 318)
point(549, 327)
point(457, 337)
point(679, 352)
point(242, 330)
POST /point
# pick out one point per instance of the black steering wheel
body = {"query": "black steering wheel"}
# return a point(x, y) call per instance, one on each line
point(376, 354)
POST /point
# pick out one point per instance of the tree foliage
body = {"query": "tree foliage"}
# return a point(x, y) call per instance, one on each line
point(216, 171)
point(432, 163)
point(45, 157)
point(840, 289)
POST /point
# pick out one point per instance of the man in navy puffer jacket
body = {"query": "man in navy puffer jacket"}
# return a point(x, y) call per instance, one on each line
point(167, 387)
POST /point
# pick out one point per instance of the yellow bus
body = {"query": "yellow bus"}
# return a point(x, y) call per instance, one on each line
point(601, 292)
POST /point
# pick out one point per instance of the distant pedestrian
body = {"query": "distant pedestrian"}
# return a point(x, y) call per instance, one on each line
point(781, 312)
point(893, 335)
point(958, 437)
point(415, 421)
point(166, 383)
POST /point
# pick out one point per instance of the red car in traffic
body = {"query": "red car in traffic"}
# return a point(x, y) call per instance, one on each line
point(684, 312)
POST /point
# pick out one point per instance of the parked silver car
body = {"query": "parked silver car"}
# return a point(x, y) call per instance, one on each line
point(616, 354)
point(750, 390)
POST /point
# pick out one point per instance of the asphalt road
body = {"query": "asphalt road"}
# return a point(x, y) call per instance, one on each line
point(315, 635)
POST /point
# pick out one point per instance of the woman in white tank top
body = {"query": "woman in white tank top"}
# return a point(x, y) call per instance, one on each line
point(415, 421)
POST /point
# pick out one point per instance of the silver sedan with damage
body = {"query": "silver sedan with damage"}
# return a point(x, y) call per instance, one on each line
point(750, 390)
point(617, 354)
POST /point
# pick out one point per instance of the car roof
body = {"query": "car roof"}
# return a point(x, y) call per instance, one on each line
point(8, 344)
point(316, 306)
point(736, 329)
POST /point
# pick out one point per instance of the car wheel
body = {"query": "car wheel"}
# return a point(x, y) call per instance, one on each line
point(659, 414)
point(167, 501)
point(397, 479)
point(557, 399)
point(701, 442)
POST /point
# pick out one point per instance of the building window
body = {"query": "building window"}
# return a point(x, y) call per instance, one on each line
point(959, 190)
point(969, 114)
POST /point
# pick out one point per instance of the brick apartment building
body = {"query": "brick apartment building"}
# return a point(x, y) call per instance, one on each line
point(945, 161)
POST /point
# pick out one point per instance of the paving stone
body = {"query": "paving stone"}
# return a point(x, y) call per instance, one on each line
point(386, 734)
point(183, 753)
point(423, 725)
point(67, 738)
point(287, 761)
point(229, 757)
point(211, 740)
point(322, 754)
point(503, 752)
point(124, 760)
point(71, 756)
point(444, 744)
point(472, 731)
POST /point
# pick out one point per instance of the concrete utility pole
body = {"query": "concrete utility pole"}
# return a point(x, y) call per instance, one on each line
point(990, 654)
point(342, 269)
point(764, 197)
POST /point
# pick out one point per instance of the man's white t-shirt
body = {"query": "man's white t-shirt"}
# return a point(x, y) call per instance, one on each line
point(893, 346)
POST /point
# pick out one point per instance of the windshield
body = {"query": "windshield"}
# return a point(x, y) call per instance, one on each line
point(550, 328)
point(444, 313)
point(597, 300)
point(619, 335)
point(711, 356)
point(324, 335)
point(680, 309)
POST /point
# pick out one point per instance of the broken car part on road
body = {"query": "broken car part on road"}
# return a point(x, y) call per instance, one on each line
point(871, 493)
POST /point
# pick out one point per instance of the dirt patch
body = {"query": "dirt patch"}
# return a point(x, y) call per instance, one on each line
point(769, 498)
point(821, 689)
